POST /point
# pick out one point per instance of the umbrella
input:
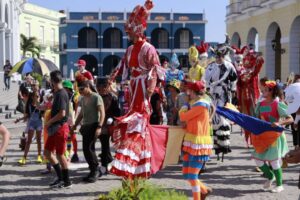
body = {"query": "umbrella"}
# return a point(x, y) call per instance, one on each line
point(35, 65)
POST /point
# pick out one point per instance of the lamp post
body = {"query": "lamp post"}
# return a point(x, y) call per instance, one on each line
point(275, 47)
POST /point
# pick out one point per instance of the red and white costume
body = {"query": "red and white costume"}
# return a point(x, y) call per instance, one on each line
point(140, 147)
point(247, 87)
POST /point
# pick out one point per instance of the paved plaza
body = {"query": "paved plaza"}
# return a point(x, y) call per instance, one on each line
point(233, 179)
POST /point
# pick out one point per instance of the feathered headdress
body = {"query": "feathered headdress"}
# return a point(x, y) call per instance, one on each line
point(193, 54)
point(202, 49)
point(137, 21)
point(174, 61)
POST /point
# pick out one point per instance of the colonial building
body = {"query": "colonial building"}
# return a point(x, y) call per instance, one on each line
point(274, 27)
point(100, 39)
point(9, 30)
point(42, 23)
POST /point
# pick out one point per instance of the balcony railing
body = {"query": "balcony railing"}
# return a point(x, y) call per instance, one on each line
point(250, 5)
point(233, 9)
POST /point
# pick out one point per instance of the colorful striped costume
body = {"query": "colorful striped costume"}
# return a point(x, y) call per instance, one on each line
point(197, 144)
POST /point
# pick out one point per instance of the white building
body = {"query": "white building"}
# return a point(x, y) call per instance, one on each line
point(9, 30)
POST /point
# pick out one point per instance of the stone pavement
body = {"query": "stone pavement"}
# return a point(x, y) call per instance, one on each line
point(233, 179)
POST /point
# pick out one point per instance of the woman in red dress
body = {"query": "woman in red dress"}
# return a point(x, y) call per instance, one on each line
point(134, 136)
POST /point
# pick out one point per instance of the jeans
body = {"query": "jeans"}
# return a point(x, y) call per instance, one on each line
point(88, 145)
point(7, 82)
point(106, 156)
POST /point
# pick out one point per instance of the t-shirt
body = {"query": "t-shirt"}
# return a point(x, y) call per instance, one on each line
point(7, 69)
point(89, 108)
point(60, 102)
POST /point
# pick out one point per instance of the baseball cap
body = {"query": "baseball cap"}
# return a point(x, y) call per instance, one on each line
point(68, 84)
point(81, 62)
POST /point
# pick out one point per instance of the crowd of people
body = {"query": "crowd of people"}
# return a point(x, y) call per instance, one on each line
point(132, 113)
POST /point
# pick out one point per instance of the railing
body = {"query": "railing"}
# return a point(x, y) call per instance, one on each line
point(250, 4)
point(234, 8)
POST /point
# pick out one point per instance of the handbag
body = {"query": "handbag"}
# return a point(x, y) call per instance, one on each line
point(20, 106)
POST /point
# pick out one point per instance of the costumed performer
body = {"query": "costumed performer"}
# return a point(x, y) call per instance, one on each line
point(197, 144)
point(134, 137)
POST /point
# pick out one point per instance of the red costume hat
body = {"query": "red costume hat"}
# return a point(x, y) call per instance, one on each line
point(239, 53)
point(202, 49)
point(137, 21)
point(197, 86)
point(81, 63)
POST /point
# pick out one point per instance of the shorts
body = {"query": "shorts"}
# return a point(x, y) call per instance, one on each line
point(35, 125)
point(58, 141)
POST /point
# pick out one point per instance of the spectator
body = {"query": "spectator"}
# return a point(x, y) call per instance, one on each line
point(112, 110)
point(92, 115)
point(7, 68)
point(5, 139)
point(58, 130)
point(170, 106)
point(72, 140)
point(32, 114)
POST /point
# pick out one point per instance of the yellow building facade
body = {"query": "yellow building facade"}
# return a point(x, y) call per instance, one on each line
point(42, 23)
point(273, 26)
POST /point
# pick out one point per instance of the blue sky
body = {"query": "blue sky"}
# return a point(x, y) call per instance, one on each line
point(215, 10)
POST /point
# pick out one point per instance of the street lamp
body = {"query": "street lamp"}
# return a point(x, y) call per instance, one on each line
point(275, 47)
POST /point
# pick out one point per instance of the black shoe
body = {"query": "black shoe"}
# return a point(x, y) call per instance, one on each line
point(1, 161)
point(57, 183)
point(92, 177)
point(66, 185)
point(75, 158)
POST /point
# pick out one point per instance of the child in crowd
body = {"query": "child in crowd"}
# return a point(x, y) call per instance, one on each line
point(197, 145)
point(274, 111)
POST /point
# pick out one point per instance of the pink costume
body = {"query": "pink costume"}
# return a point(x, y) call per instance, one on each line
point(140, 147)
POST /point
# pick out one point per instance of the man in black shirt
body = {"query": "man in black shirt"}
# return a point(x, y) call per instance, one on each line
point(7, 68)
point(58, 130)
point(112, 110)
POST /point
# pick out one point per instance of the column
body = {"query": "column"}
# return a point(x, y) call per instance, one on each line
point(2, 45)
point(8, 45)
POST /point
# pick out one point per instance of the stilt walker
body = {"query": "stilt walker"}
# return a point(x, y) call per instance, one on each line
point(134, 137)
point(220, 77)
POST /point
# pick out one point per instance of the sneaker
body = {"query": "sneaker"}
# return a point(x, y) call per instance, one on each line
point(204, 195)
point(22, 161)
point(75, 158)
point(278, 189)
point(257, 169)
point(268, 184)
point(39, 159)
point(66, 185)
point(55, 184)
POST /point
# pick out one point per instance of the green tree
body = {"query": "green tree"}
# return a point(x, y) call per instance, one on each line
point(29, 44)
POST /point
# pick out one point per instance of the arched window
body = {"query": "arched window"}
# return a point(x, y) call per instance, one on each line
point(183, 38)
point(6, 15)
point(236, 40)
point(160, 38)
point(273, 51)
point(294, 50)
point(87, 38)
point(109, 63)
point(91, 64)
point(113, 38)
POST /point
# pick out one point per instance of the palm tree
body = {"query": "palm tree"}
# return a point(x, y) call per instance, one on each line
point(29, 44)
